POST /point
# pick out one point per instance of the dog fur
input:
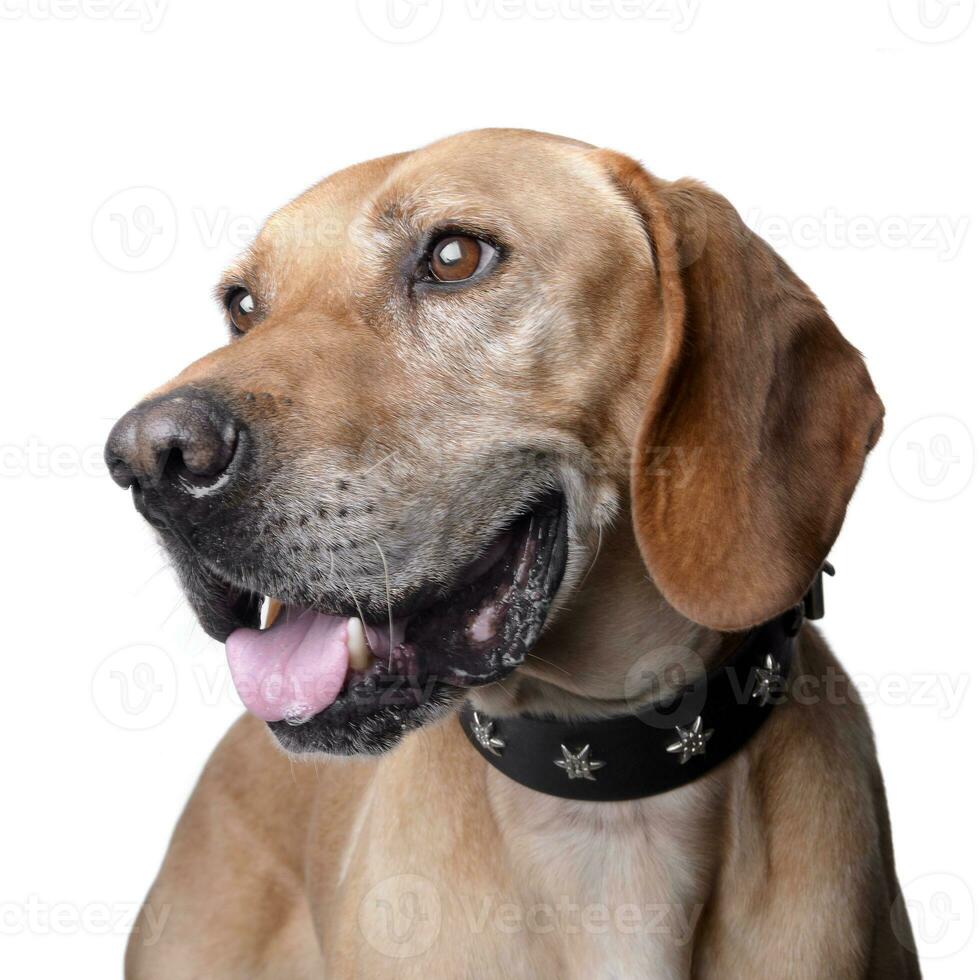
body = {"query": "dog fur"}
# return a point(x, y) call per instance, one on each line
point(707, 423)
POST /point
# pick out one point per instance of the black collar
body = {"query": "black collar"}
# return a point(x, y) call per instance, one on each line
point(659, 747)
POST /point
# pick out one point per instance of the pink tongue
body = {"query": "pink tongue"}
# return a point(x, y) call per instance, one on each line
point(293, 670)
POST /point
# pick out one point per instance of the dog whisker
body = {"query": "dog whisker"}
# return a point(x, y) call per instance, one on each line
point(550, 663)
point(509, 694)
point(151, 577)
point(166, 619)
point(595, 558)
point(391, 620)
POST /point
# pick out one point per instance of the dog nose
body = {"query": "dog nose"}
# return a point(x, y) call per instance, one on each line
point(185, 437)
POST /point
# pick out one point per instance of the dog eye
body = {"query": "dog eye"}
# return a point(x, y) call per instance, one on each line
point(458, 257)
point(241, 307)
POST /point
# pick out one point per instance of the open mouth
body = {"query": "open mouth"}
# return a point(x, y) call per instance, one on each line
point(352, 683)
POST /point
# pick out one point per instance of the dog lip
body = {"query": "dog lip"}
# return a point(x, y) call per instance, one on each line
point(221, 607)
point(445, 639)
point(441, 656)
point(427, 594)
point(475, 632)
point(419, 602)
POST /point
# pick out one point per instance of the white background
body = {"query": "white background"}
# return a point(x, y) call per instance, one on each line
point(843, 132)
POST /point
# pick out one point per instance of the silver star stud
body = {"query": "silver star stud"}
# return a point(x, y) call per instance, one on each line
point(578, 765)
point(767, 677)
point(691, 741)
point(483, 733)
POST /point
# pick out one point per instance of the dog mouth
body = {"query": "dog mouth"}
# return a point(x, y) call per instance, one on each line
point(325, 680)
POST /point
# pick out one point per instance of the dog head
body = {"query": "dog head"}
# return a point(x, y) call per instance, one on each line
point(448, 371)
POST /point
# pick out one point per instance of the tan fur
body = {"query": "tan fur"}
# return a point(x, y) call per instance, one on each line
point(632, 317)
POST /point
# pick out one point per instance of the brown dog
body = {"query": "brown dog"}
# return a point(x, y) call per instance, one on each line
point(506, 417)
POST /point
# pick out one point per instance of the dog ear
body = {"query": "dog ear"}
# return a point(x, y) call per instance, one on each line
point(760, 417)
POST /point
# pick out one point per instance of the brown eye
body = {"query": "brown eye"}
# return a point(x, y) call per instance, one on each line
point(241, 307)
point(458, 257)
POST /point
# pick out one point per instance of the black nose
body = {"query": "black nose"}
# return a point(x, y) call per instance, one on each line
point(185, 438)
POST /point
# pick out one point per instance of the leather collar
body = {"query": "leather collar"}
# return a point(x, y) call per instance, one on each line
point(661, 746)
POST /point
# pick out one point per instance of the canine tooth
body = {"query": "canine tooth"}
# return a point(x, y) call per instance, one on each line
point(357, 645)
point(271, 607)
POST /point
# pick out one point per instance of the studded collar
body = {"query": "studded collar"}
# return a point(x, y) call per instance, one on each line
point(659, 747)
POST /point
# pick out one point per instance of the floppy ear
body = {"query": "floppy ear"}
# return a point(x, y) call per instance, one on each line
point(759, 420)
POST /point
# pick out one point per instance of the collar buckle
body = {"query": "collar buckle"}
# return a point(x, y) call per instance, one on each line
point(813, 604)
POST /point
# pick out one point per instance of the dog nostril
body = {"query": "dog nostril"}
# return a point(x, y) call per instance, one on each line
point(174, 468)
point(201, 455)
point(197, 458)
point(187, 436)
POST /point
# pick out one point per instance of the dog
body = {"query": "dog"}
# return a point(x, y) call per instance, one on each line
point(508, 426)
